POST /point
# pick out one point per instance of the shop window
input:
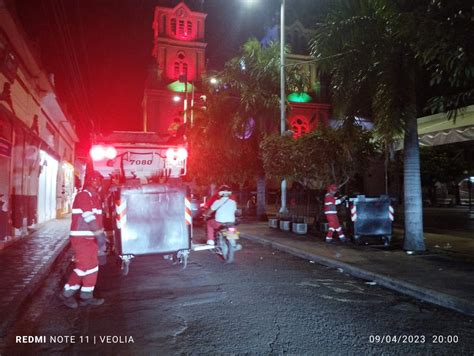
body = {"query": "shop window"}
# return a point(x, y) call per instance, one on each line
point(8, 61)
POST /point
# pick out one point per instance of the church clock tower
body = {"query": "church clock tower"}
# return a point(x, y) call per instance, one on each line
point(179, 63)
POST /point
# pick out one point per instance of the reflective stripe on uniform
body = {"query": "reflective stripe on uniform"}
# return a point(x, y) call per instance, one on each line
point(81, 233)
point(82, 273)
point(88, 216)
point(74, 287)
point(87, 289)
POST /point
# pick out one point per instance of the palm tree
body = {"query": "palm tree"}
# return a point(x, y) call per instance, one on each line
point(365, 47)
point(254, 77)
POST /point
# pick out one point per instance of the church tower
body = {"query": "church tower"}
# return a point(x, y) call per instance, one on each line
point(178, 66)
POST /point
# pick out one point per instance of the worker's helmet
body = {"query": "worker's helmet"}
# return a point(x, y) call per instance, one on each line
point(93, 176)
point(224, 191)
point(332, 188)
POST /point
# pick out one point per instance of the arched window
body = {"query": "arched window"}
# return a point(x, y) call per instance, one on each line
point(189, 29)
point(176, 69)
point(173, 26)
point(181, 27)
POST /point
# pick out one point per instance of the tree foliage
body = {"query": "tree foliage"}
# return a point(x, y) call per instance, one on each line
point(366, 47)
point(217, 154)
point(249, 88)
point(254, 77)
point(322, 156)
point(444, 47)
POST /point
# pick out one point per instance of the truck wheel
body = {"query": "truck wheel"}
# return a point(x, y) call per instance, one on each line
point(182, 256)
point(125, 267)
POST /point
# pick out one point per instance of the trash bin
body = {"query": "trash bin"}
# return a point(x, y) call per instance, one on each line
point(371, 217)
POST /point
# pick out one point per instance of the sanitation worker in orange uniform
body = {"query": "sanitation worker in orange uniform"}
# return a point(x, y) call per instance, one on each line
point(88, 241)
point(330, 211)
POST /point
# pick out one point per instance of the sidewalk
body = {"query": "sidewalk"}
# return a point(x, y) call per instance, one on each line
point(25, 262)
point(442, 275)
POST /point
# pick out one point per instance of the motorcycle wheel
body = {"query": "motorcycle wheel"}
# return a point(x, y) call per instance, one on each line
point(231, 251)
point(222, 247)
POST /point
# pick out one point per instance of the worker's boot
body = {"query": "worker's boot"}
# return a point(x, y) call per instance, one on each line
point(343, 239)
point(69, 301)
point(328, 240)
point(91, 301)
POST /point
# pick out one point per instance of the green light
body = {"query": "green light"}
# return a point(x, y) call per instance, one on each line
point(179, 87)
point(299, 98)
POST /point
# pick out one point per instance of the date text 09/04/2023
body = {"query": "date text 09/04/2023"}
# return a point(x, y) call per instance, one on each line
point(73, 339)
point(413, 339)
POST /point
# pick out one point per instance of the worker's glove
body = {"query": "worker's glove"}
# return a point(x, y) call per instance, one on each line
point(102, 257)
point(101, 239)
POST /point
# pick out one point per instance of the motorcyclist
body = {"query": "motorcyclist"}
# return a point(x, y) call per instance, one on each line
point(224, 207)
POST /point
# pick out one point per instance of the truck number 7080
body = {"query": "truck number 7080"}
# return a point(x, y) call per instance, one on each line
point(142, 162)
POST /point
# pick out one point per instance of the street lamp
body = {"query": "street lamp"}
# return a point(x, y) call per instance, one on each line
point(283, 208)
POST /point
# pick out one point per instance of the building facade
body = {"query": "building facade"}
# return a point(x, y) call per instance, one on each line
point(37, 139)
point(310, 108)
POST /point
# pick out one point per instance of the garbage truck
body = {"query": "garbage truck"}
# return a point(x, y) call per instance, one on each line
point(146, 206)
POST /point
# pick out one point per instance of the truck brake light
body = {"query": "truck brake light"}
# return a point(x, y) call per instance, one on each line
point(176, 155)
point(99, 152)
point(182, 153)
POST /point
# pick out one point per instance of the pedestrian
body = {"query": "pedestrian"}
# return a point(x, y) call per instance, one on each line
point(177, 131)
point(88, 240)
point(330, 211)
point(252, 206)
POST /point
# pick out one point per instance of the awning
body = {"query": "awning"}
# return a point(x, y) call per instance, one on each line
point(435, 130)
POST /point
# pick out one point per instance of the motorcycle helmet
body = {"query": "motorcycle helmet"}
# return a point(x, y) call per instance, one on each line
point(224, 191)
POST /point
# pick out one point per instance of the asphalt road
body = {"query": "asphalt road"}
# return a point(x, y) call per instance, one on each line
point(268, 302)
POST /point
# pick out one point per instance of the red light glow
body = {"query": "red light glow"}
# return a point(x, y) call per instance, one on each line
point(97, 153)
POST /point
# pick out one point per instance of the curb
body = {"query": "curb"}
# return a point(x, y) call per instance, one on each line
point(15, 306)
point(428, 295)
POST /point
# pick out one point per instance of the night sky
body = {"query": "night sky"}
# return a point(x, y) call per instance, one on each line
point(100, 50)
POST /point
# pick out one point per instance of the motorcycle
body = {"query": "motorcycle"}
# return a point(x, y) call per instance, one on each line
point(226, 242)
